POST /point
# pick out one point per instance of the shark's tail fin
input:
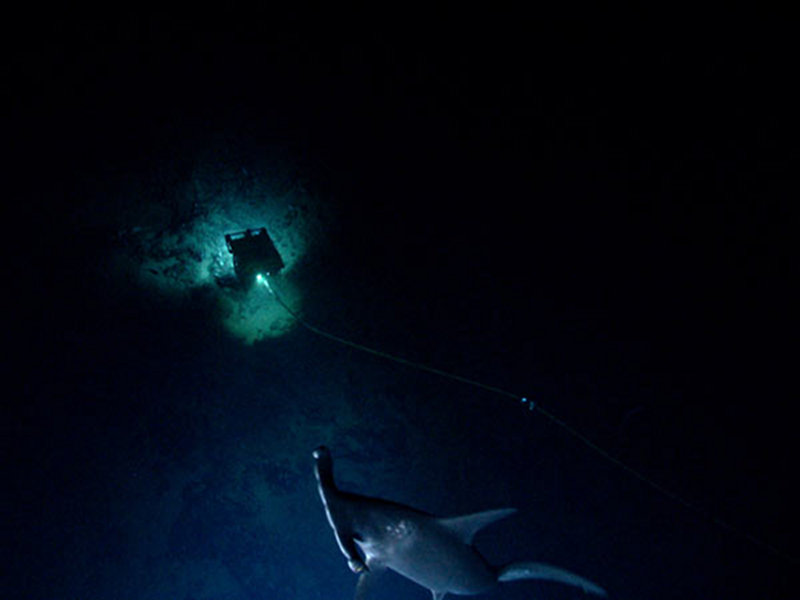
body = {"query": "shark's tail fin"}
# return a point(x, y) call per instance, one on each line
point(531, 570)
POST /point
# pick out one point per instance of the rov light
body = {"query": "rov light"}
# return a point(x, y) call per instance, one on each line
point(262, 280)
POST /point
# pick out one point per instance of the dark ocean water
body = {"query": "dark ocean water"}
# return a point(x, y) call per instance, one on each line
point(601, 226)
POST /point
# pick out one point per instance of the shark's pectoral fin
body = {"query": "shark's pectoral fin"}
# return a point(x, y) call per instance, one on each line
point(541, 571)
point(362, 587)
point(438, 595)
point(367, 577)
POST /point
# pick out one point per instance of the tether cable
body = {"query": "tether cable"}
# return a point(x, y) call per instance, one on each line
point(533, 406)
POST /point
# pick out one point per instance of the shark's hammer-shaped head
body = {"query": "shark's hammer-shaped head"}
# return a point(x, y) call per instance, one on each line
point(323, 466)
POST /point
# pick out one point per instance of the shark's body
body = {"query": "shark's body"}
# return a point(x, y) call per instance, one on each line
point(436, 553)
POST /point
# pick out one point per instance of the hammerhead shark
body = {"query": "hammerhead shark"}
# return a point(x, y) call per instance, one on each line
point(437, 553)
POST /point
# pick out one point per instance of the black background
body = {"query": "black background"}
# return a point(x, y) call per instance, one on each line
point(599, 211)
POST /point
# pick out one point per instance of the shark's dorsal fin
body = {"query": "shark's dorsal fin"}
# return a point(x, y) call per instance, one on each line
point(466, 526)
